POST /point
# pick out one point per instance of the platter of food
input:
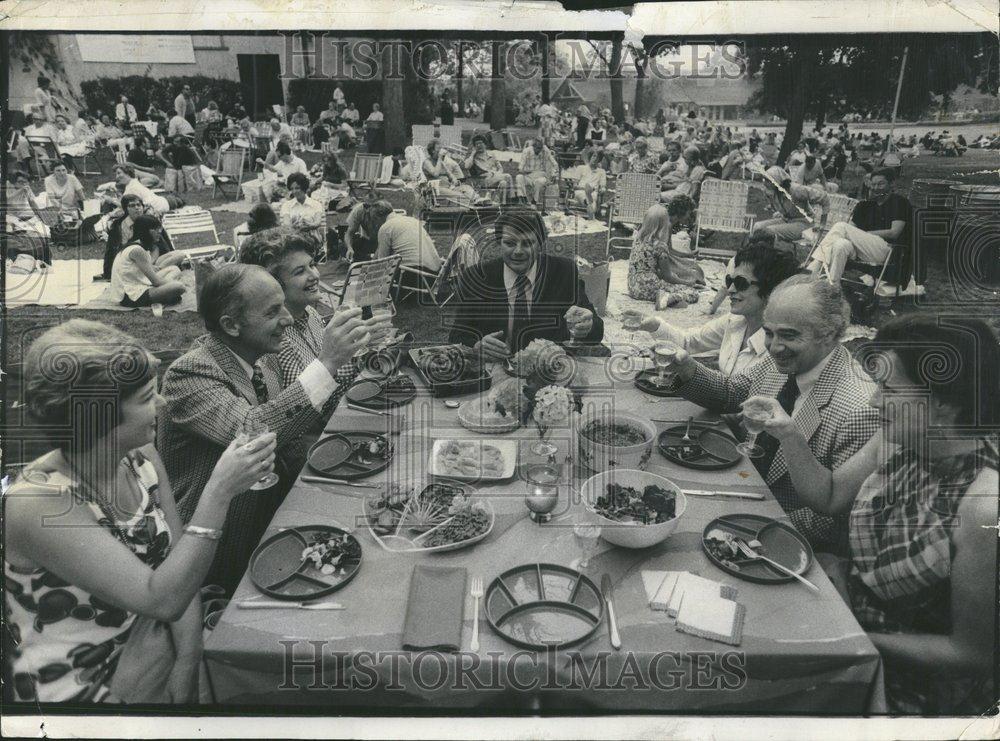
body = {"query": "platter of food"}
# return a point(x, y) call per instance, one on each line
point(482, 415)
point(777, 540)
point(543, 606)
point(474, 460)
point(450, 370)
point(305, 563)
point(705, 450)
point(430, 518)
point(350, 455)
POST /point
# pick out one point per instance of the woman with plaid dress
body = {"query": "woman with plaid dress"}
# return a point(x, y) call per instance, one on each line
point(923, 504)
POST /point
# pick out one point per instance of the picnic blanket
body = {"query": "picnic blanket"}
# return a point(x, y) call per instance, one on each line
point(64, 283)
point(103, 301)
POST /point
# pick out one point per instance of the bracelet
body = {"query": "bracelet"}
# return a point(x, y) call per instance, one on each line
point(208, 533)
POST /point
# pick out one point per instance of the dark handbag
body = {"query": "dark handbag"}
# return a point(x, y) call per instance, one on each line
point(144, 664)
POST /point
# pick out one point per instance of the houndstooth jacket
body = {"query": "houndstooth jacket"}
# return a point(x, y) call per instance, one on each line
point(209, 395)
point(835, 417)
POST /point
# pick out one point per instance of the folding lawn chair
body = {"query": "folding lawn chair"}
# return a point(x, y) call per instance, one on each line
point(634, 193)
point(722, 207)
point(229, 170)
point(193, 233)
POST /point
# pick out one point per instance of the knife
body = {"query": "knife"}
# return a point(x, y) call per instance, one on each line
point(356, 408)
point(342, 482)
point(739, 494)
point(607, 591)
point(266, 605)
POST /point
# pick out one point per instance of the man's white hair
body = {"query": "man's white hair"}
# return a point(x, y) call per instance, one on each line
point(827, 311)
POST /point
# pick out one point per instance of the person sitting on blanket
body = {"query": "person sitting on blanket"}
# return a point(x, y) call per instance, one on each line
point(229, 383)
point(817, 383)
point(260, 217)
point(302, 213)
point(922, 508)
point(121, 230)
point(284, 165)
point(128, 557)
point(125, 177)
point(656, 272)
point(439, 166)
point(63, 189)
point(738, 337)
point(876, 223)
point(795, 208)
point(183, 165)
point(140, 275)
point(22, 211)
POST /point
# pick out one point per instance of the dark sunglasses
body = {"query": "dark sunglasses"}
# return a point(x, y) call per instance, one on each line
point(739, 282)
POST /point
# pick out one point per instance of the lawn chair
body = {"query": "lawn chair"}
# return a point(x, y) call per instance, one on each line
point(229, 171)
point(367, 171)
point(722, 206)
point(841, 208)
point(259, 148)
point(193, 233)
point(64, 225)
point(44, 154)
point(634, 193)
point(464, 254)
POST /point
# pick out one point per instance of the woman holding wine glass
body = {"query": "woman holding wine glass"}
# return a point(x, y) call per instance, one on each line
point(739, 336)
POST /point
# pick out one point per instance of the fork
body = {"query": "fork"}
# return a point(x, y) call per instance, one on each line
point(477, 593)
point(753, 555)
point(687, 432)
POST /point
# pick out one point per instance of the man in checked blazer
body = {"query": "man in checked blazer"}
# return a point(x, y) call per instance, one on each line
point(807, 367)
point(231, 375)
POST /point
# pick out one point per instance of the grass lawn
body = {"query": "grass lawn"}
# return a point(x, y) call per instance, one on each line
point(175, 331)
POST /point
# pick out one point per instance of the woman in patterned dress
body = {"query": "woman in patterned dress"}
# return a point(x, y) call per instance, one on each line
point(922, 498)
point(91, 531)
point(651, 242)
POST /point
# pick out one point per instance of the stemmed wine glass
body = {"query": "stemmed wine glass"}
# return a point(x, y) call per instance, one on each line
point(664, 353)
point(631, 322)
point(577, 314)
point(253, 429)
point(755, 415)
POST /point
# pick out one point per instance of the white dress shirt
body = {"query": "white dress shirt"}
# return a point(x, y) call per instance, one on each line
point(315, 379)
point(725, 334)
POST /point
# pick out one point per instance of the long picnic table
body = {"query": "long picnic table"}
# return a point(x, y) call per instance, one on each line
point(801, 652)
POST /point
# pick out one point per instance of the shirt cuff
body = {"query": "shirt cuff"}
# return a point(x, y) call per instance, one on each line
point(318, 384)
point(671, 334)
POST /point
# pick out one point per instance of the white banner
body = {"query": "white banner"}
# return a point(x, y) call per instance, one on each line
point(138, 48)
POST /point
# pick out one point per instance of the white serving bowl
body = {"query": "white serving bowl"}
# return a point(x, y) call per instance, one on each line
point(599, 457)
point(631, 535)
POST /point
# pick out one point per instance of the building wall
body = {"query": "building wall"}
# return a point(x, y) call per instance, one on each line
point(215, 62)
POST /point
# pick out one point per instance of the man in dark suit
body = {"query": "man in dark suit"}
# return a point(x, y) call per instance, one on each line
point(231, 375)
point(503, 304)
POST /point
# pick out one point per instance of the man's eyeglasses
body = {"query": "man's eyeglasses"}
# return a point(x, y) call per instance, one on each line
point(739, 282)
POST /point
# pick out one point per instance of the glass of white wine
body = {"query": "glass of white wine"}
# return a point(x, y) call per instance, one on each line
point(253, 429)
point(664, 354)
point(587, 536)
point(755, 415)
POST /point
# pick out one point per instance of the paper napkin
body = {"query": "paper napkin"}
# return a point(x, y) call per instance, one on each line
point(711, 616)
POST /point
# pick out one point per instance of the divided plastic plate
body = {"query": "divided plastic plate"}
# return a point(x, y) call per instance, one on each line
point(277, 569)
point(717, 450)
point(382, 394)
point(781, 542)
point(644, 382)
point(543, 606)
point(336, 455)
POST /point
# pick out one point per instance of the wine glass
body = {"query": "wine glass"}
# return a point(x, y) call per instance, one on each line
point(577, 314)
point(542, 477)
point(587, 536)
point(755, 415)
point(631, 323)
point(253, 429)
point(663, 357)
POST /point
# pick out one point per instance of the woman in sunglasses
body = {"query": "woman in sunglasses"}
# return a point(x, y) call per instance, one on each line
point(738, 337)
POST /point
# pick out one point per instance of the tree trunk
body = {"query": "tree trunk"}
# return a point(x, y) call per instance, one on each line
point(640, 89)
point(546, 92)
point(821, 113)
point(397, 118)
point(617, 97)
point(797, 103)
point(459, 75)
point(498, 87)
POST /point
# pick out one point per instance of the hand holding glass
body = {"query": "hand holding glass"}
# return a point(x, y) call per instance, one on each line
point(664, 354)
point(756, 413)
point(253, 429)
